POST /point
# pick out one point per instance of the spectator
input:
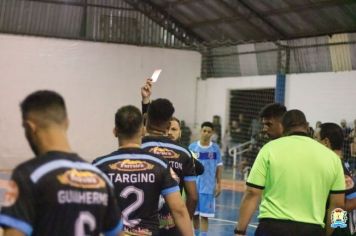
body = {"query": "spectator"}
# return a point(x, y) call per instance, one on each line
point(353, 154)
point(255, 129)
point(209, 183)
point(217, 130)
point(317, 129)
point(243, 135)
point(353, 131)
point(234, 133)
point(352, 142)
point(287, 176)
point(346, 146)
point(186, 134)
point(226, 142)
point(311, 132)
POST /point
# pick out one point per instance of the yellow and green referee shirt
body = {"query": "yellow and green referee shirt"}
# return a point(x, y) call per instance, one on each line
point(296, 174)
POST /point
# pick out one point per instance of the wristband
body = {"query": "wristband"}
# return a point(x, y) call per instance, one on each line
point(236, 231)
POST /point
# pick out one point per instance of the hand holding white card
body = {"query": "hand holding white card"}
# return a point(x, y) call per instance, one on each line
point(155, 75)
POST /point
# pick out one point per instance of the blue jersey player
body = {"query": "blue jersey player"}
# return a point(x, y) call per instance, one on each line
point(209, 183)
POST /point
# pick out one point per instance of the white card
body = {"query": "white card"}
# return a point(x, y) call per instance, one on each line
point(155, 75)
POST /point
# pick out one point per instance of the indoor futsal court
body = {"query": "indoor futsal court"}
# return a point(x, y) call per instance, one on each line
point(217, 61)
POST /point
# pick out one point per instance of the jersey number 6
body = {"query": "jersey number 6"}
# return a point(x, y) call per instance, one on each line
point(84, 218)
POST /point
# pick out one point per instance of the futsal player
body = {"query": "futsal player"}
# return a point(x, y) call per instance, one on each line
point(139, 178)
point(209, 183)
point(58, 193)
point(156, 141)
point(174, 131)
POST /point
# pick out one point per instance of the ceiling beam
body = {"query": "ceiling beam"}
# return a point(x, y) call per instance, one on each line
point(221, 20)
point(161, 17)
point(252, 12)
point(82, 4)
point(277, 12)
point(311, 6)
point(169, 4)
point(322, 33)
point(259, 16)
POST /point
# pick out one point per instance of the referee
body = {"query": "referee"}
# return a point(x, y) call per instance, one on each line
point(293, 175)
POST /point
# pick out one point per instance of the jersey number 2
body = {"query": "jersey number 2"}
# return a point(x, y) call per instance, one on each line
point(134, 206)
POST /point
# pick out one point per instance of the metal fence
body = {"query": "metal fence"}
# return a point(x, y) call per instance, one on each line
point(318, 54)
point(95, 20)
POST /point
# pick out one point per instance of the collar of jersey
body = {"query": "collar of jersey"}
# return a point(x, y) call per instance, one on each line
point(210, 144)
point(299, 133)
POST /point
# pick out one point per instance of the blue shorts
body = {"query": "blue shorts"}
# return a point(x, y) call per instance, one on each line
point(206, 205)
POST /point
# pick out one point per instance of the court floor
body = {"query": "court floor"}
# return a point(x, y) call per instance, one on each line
point(227, 207)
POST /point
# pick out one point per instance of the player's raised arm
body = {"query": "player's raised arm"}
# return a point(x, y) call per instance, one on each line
point(146, 91)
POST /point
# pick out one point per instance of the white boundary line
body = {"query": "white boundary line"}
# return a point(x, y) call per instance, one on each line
point(231, 222)
point(227, 206)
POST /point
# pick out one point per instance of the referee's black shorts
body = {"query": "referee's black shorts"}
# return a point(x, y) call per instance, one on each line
point(274, 227)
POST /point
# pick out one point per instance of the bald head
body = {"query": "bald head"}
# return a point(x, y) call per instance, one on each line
point(294, 120)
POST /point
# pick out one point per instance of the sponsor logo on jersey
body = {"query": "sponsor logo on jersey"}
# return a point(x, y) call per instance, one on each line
point(131, 165)
point(165, 152)
point(137, 231)
point(81, 179)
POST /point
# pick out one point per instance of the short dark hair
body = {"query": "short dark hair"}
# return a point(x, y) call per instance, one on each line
point(293, 118)
point(207, 124)
point(334, 133)
point(48, 104)
point(128, 121)
point(275, 110)
point(160, 112)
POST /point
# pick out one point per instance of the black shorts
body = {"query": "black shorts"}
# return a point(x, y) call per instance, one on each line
point(274, 227)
